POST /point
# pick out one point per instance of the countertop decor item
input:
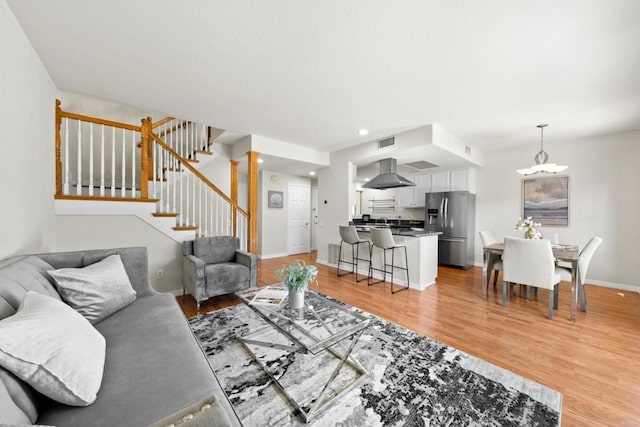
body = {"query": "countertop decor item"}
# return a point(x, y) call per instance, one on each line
point(530, 227)
point(297, 277)
point(541, 160)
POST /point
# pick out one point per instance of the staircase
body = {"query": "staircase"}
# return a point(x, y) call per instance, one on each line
point(151, 171)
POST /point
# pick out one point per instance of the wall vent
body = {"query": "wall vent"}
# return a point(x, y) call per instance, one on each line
point(387, 142)
point(421, 164)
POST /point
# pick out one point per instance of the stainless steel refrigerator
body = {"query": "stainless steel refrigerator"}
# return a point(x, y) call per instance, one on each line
point(453, 213)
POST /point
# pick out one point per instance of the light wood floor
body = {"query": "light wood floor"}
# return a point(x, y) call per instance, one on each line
point(594, 363)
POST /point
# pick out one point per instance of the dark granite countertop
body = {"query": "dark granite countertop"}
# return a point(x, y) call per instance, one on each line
point(399, 231)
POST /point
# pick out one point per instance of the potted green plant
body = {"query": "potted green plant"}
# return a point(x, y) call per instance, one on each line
point(297, 277)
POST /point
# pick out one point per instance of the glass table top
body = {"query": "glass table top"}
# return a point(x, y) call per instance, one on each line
point(319, 324)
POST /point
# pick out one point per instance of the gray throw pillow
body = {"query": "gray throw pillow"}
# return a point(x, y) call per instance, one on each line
point(97, 290)
point(54, 349)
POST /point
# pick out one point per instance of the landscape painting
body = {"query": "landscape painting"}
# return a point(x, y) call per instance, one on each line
point(546, 200)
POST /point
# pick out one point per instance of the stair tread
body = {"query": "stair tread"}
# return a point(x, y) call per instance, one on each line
point(209, 153)
point(104, 198)
point(185, 228)
point(165, 214)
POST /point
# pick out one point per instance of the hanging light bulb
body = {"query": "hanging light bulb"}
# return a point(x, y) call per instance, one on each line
point(541, 160)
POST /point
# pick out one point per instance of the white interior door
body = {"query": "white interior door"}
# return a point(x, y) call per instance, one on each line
point(298, 218)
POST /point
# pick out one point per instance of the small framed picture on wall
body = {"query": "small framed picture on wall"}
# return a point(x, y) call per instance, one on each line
point(275, 199)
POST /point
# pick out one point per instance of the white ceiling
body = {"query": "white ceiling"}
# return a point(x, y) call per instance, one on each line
point(314, 72)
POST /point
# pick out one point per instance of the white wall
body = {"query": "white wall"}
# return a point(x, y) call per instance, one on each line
point(27, 118)
point(336, 194)
point(218, 171)
point(604, 200)
point(104, 109)
point(272, 222)
point(103, 232)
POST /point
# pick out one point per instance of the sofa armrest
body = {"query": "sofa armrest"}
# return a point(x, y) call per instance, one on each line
point(251, 261)
point(193, 278)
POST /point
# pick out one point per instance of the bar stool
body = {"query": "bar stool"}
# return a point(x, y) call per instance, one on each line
point(349, 235)
point(382, 238)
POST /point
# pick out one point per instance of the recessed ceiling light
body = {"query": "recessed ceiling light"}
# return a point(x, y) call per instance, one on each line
point(366, 179)
point(312, 173)
point(363, 132)
point(260, 161)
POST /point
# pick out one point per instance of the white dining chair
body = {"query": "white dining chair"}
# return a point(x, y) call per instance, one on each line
point(488, 239)
point(530, 262)
point(584, 260)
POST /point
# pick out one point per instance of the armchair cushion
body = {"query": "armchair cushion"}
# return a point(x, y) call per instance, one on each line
point(226, 277)
point(214, 250)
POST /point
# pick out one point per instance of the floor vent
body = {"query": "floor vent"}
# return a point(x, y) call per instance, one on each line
point(334, 251)
point(387, 142)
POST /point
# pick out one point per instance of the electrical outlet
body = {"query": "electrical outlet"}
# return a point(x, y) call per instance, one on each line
point(160, 274)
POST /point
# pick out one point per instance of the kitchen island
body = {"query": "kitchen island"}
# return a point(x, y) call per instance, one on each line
point(422, 255)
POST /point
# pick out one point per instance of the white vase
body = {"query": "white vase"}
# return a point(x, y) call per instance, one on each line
point(296, 298)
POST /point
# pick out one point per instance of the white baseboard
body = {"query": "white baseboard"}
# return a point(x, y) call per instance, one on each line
point(176, 292)
point(621, 286)
point(270, 256)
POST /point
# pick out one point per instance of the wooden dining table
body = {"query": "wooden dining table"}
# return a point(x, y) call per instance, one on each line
point(564, 253)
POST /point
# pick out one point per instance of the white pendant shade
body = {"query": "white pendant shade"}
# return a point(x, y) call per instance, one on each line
point(541, 160)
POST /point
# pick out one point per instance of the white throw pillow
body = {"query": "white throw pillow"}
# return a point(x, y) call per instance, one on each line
point(54, 349)
point(97, 290)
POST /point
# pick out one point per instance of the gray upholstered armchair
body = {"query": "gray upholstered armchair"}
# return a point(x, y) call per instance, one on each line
point(213, 266)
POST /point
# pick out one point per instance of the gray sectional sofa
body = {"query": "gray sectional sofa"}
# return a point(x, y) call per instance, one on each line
point(155, 372)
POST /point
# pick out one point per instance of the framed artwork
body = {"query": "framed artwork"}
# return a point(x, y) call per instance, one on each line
point(546, 200)
point(275, 199)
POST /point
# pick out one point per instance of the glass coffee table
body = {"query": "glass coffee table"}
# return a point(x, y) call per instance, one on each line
point(307, 352)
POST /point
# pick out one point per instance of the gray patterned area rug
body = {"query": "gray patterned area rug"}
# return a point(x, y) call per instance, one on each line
point(412, 380)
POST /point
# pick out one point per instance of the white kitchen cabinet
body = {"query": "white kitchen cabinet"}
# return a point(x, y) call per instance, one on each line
point(440, 181)
point(413, 197)
point(463, 179)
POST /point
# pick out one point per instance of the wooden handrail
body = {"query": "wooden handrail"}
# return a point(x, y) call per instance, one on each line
point(99, 121)
point(163, 121)
point(58, 148)
point(193, 170)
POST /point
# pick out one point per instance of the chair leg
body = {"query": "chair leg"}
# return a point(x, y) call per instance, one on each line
point(505, 286)
point(406, 264)
point(556, 290)
point(495, 278)
point(582, 296)
point(550, 311)
point(198, 308)
point(368, 252)
point(369, 282)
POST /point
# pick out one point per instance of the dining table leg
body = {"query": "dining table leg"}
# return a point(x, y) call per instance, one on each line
point(487, 274)
point(574, 290)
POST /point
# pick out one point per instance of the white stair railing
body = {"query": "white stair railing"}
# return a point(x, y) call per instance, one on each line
point(195, 201)
point(186, 138)
point(98, 157)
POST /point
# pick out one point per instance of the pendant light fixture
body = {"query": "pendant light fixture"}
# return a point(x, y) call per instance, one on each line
point(541, 160)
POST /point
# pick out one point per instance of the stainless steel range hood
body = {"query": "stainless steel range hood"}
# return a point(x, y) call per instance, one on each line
point(388, 177)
